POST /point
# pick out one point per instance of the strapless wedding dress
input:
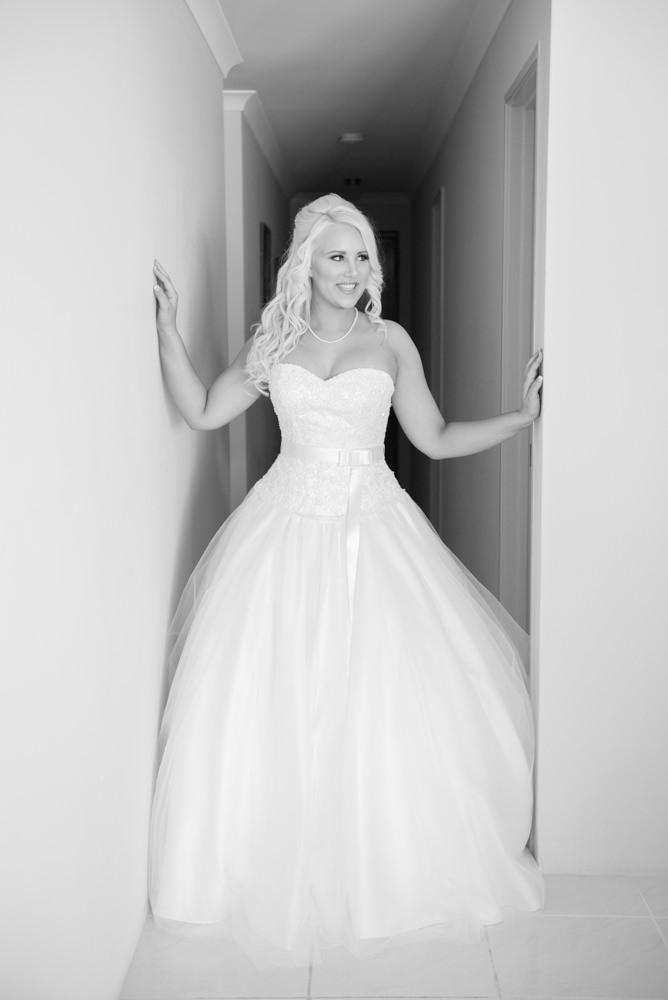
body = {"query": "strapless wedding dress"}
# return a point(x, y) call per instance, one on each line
point(347, 747)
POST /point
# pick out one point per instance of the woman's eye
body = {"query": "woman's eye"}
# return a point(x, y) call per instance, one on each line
point(339, 256)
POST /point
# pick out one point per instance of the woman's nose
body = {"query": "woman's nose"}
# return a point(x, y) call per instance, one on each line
point(351, 268)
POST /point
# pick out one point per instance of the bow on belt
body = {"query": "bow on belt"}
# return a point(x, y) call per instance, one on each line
point(357, 460)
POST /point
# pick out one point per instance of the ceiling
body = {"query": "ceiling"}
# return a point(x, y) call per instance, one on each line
point(392, 69)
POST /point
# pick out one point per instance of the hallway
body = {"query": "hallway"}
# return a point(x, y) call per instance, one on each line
point(176, 129)
point(599, 938)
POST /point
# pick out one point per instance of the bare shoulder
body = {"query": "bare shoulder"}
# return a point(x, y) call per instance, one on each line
point(401, 344)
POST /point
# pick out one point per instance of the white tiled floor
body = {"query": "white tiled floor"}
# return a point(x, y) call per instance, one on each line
point(599, 938)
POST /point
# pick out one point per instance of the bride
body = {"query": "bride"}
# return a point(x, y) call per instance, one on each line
point(347, 747)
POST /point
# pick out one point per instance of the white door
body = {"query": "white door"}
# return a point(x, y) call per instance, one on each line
point(517, 344)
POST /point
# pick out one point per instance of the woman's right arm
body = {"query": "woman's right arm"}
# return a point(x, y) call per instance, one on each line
point(201, 408)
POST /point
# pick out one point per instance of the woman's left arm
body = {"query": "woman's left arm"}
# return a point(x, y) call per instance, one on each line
point(423, 423)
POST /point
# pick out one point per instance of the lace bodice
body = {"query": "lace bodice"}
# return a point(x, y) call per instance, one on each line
point(347, 411)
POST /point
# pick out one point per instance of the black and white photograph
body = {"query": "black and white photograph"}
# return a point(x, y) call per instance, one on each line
point(334, 500)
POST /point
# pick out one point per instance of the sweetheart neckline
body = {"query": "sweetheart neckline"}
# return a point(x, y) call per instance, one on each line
point(346, 371)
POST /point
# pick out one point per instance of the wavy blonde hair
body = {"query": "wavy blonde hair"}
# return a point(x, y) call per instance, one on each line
point(285, 318)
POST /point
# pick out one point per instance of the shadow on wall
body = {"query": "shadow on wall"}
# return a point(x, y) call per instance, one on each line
point(207, 503)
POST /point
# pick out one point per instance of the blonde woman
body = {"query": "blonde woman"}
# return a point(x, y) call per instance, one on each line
point(347, 746)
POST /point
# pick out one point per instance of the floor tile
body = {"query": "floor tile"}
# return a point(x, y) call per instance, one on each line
point(594, 896)
point(591, 958)
point(429, 969)
point(169, 967)
point(655, 891)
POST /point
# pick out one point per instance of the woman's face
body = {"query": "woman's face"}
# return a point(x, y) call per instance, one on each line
point(339, 267)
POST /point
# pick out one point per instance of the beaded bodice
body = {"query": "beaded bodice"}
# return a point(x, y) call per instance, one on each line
point(348, 411)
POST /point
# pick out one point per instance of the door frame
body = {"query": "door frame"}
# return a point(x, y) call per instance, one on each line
point(540, 59)
point(436, 360)
point(518, 339)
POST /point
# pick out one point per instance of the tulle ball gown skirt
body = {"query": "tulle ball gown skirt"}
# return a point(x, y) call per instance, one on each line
point(347, 747)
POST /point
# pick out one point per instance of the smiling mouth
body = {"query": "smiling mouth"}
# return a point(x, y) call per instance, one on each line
point(347, 286)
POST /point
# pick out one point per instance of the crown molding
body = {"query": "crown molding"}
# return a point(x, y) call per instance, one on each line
point(236, 100)
point(217, 34)
point(247, 103)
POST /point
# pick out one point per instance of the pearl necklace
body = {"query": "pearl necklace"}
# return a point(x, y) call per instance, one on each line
point(338, 339)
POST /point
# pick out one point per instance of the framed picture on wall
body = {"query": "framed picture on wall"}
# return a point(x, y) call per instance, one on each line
point(389, 253)
point(266, 265)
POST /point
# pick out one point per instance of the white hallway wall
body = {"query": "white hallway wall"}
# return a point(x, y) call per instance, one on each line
point(112, 125)
point(602, 802)
point(599, 673)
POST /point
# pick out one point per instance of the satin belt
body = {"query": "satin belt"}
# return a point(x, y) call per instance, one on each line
point(357, 460)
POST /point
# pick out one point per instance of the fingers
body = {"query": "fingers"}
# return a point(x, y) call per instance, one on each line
point(164, 278)
point(531, 405)
point(532, 395)
point(161, 275)
point(534, 361)
point(166, 298)
point(532, 379)
point(159, 269)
